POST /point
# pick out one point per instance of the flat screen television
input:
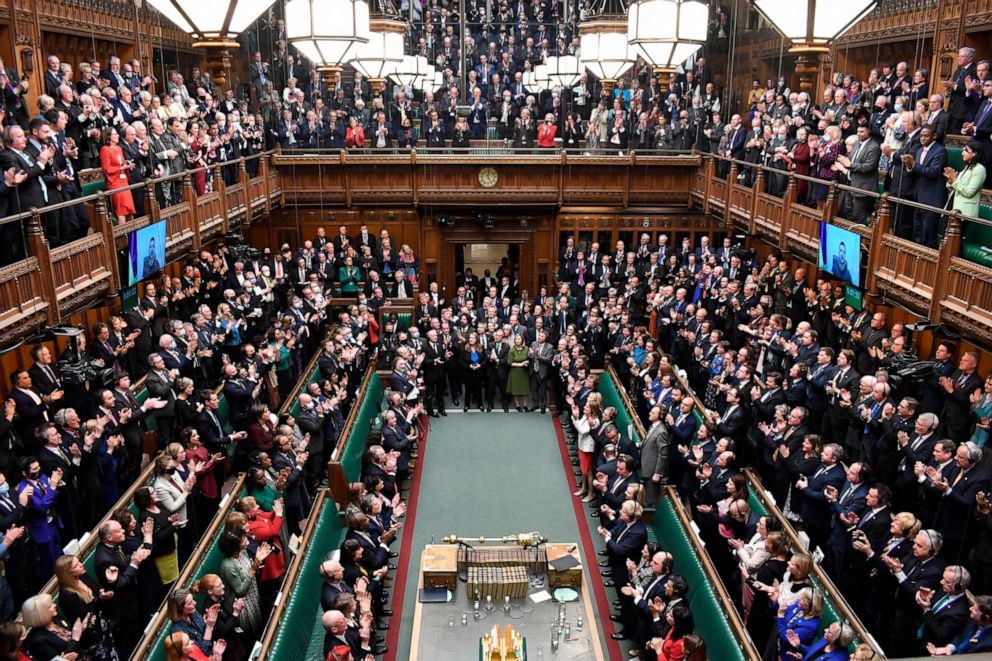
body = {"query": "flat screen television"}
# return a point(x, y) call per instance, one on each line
point(145, 252)
point(840, 253)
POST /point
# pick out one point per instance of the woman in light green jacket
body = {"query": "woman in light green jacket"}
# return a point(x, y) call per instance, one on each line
point(966, 185)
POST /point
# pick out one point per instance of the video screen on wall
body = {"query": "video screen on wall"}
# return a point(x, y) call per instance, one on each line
point(145, 252)
point(840, 253)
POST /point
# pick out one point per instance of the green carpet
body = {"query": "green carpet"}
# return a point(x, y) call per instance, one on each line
point(487, 474)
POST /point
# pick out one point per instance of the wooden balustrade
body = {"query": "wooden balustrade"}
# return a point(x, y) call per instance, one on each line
point(81, 272)
point(937, 284)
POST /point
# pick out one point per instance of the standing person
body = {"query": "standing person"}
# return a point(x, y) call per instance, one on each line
point(473, 361)
point(517, 383)
point(42, 520)
point(585, 426)
point(541, 354)
point(115, 173)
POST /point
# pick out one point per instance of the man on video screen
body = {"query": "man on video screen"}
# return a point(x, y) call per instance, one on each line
point(151, 265)
point(839, 266)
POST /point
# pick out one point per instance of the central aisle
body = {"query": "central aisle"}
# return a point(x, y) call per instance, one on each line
point(487, 474)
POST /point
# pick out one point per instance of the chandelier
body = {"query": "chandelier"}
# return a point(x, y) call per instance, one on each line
point(603, 40)
point(667, 32)
point(327, 32)
point(812, 25)
point(212, 22)
point(384, 49)
point(563, 71)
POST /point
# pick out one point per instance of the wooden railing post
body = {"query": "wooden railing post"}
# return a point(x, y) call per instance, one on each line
point(38, 247)
point(190, 195)
point(881, 227)
point(245, 193)
point(710, 165)
point(151, 202)
point(787, 201)
point(222, 193)
point(731, 178)
point(101, 224)
point(828, 205)
point(759, 184)
point(950, 247)
point(263, 170)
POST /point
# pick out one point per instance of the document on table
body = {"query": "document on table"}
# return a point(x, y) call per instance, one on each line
point(540, 597)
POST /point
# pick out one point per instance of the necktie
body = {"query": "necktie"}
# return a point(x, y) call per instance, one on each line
point(957, 479)
point(213, 417)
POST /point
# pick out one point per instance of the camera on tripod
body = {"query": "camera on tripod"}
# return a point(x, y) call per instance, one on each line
point(77, 369)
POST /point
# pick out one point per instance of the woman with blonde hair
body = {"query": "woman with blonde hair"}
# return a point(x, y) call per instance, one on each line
point(49, 635)
point(798, 622)
point(585, 425)
point(79, 598)
point(180, 647)
point(181, 609)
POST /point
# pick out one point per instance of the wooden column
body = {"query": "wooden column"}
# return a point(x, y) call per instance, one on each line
point(263, 170)
point(828, 205)
point(731, 178)
point(759, 183)
point(787, 201)
point(38, 247)
point(710, 165)
point(880, 227)
point(222, 190)
point(101, 223)
point(949, 248)
point(189, 194)
point(245, 193)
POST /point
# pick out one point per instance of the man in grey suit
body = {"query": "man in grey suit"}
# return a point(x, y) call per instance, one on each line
point(541, 354)
point(863, 167)
point(654, 456)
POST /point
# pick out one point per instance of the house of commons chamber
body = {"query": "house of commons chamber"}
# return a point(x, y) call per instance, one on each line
point(495, 330)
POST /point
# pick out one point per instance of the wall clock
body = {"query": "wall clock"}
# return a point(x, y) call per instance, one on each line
point(488, 177)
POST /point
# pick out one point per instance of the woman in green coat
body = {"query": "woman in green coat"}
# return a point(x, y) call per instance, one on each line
point(518, 381)
point(348, 276)
point(238, 571)
point(966, 185)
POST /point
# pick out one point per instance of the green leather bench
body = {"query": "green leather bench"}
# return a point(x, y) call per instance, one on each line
point(708, 614)
point(976, 244)
point(299, 627)
point(365, 421)
point(612, 397)
point(208, 562)
point(830, 611)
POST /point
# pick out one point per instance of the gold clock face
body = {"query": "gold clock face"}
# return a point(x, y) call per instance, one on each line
point(488, 177)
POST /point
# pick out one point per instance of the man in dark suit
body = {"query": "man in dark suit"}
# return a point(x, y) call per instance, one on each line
point(311, 421)
point(915, 447)
point(844, 501)
point(924, 568)
point(32, 408)
point(958, 91)
point(956, 512)
point(625, 540)
point(960, 386)
point(814, 507)
point(945, 610)
point(434, 366)
point(159, 382)
point(732, 421)
point(938, 119)
point(901, 184)
point(927, 168)
point(117, 575)
point(981, 126)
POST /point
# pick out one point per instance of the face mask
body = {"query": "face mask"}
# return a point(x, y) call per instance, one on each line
point(4, 489)
point(173, 346)
point(897, 107)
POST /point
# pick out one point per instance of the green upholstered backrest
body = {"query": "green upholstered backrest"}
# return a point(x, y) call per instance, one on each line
point(954, 158)
point(708, 614)
point(976, 243)
point(403, 320)
point(830, 613)
point(209, 564)
point(297, 624)
point(92, 187)
point(611, 397)
point(365, 419)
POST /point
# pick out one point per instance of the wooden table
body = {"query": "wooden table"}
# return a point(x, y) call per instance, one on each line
point(433, 638)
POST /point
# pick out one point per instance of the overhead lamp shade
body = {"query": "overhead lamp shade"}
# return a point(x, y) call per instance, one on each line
point(541, 76)
point(327, 32)
point(212, 19)
point(436, 83)
point(384, 50)
point(530, 82)
point(667, 32)
point(830, 18)
point(424, 80)
point(563, 71)
point(606, 53)
point(410, 69)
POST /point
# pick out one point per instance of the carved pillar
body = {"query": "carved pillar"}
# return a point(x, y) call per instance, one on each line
point(222, 190)
point(759, 184)
point(100, 222)
point(709, 162)
point(949, 248)
point(245, 193)
point(881, 226)
point(263, 170)
point(731, 178)
point(38, 247)
point(948, 38)
point(194, 209)
point(828, 205)
point(787, 200)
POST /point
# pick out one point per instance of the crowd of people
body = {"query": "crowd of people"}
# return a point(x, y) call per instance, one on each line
point(238, 324)
point(893, 124)
point(876, 456)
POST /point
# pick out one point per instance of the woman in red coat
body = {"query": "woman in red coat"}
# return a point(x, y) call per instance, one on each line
point(680, 623)
point(355, 135)
point(546, 132)
point(115, 171)
point(265, 526)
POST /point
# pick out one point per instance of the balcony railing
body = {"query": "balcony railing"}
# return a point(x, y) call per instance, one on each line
point(938, 284)
point(53, 283)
